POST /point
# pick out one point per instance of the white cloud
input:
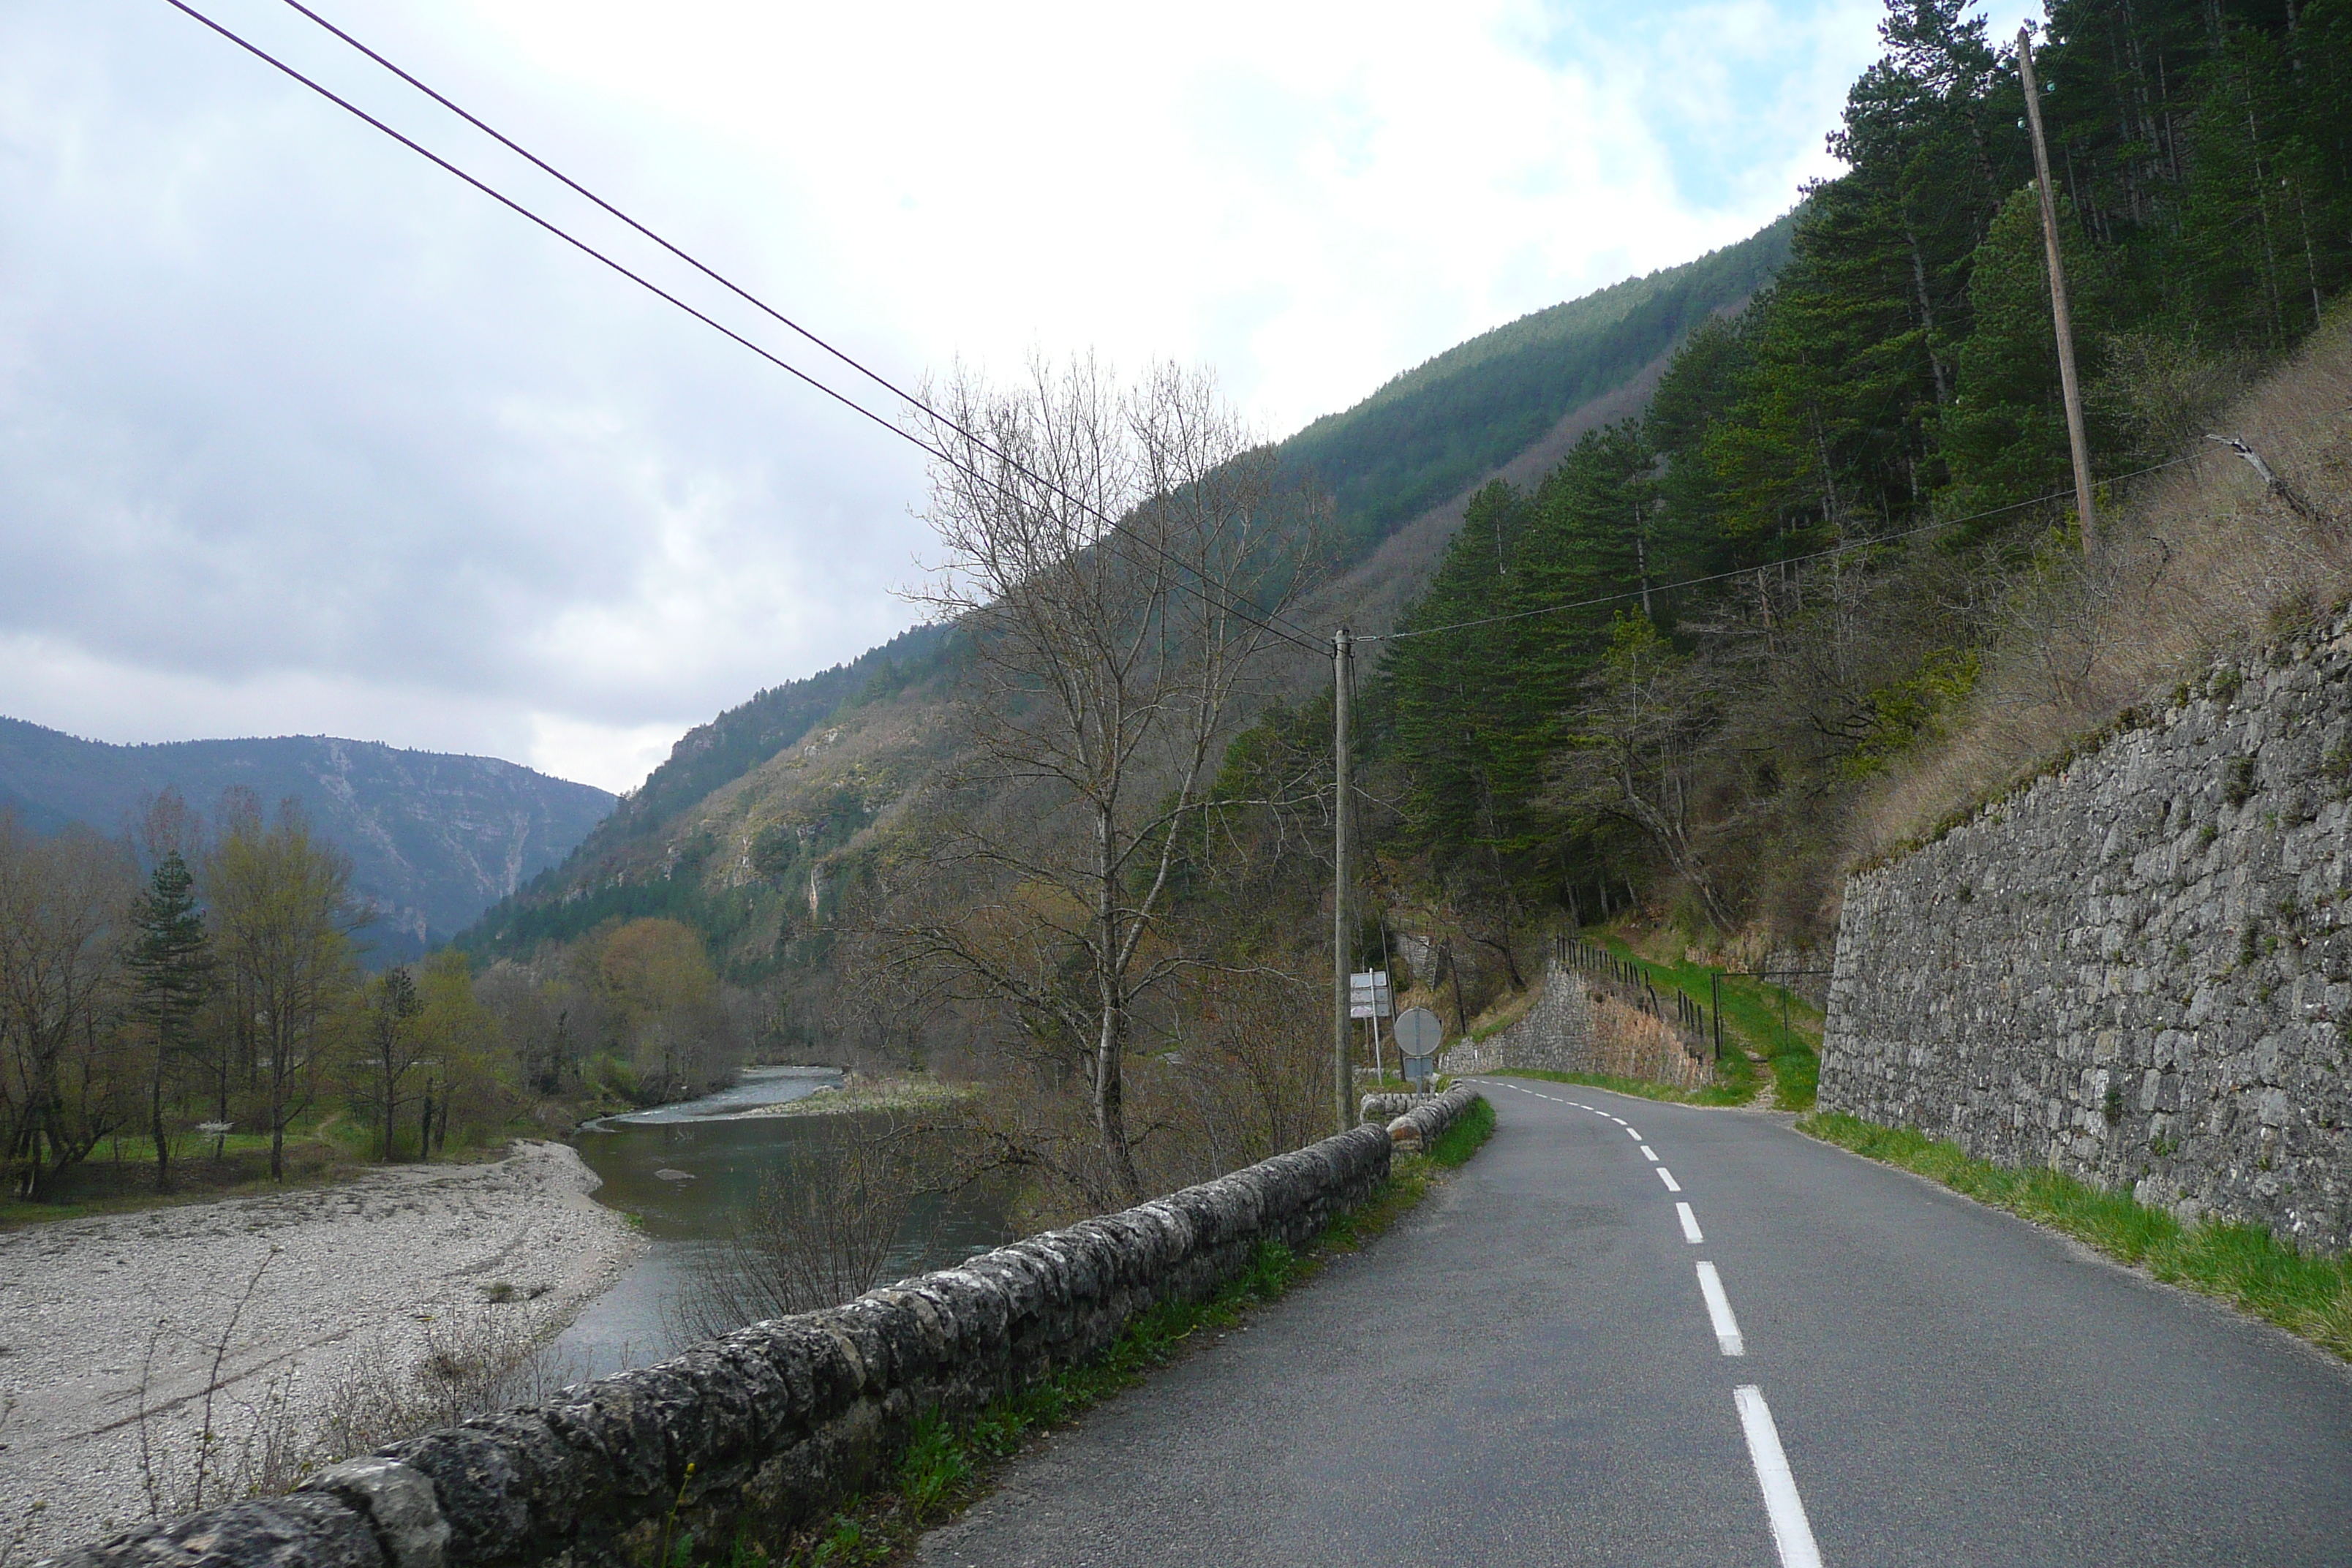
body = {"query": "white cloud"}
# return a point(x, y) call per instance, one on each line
point(298, 433)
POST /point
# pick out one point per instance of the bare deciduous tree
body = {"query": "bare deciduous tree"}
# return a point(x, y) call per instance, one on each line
point(64, 1081)
point(283, 913)
point(819, 1233)
point(1098, 539)
point(1637, 749)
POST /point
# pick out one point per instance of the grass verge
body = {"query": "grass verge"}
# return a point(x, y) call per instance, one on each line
point(2244, 1265)
point(949, 1464)
point(1642, 1087)
point(1753, 1019)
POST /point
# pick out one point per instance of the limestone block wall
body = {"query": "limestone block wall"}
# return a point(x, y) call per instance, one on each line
point(778, 1422)
point(2138, 969)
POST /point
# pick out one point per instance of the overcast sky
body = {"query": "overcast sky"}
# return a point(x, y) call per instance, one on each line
point(300, 435)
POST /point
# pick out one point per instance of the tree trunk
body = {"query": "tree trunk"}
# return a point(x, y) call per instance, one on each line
point(155, 1124)
point(1110, 1045)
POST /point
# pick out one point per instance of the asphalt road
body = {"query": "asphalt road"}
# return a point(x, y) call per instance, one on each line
point(1528, 1369)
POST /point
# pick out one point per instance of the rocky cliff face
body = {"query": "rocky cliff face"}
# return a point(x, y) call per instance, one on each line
point(434, 839)
point(2139, 970)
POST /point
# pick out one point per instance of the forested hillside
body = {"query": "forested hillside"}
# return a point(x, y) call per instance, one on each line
point(1417, 442)
point(640, 862)
point(1429, 432)
point(1825, 589)
point(1865, 481)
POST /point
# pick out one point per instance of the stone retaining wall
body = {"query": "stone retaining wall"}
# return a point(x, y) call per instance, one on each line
point(1584, 1023)
point(777, 1423)
point(2137, 970)
point(1556, 1034)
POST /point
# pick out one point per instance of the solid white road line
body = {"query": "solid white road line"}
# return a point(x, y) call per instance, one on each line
point(1668, 1177)
point(1648, 1154)
point(1782, 1506)
point(1719, 1311)
point(1690, 1222)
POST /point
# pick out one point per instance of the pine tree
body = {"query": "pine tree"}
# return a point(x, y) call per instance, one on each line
point(172, 962)
point(2005, 436)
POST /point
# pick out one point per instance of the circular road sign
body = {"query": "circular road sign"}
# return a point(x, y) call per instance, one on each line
point(1417, 1032)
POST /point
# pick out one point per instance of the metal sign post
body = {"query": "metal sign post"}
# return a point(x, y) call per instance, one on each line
point(1419, 1033)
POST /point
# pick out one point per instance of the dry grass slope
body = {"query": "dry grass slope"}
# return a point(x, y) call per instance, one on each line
point(2201, 562)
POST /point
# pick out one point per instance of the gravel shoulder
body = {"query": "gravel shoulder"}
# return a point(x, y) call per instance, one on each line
point(110, 1328)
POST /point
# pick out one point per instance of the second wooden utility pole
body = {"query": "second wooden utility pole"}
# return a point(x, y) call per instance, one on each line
point(2067, 385)
point(1342, 945)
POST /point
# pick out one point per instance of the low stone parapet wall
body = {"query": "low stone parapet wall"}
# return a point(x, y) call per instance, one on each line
point(769, 1427)
point(1420, 1126)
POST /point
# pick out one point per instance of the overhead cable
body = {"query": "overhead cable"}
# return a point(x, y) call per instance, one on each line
point(1303, 640)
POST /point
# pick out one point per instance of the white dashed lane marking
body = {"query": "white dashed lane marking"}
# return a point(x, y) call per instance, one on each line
point(1786, 1510)
point(1792, 1534)
point(1719, 1311)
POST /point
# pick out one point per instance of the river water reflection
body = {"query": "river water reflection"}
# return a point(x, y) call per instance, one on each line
point(686, 1172)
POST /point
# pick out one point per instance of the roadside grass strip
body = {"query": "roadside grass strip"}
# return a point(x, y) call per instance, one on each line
point(1740, 1093)
point(2244, 1265)
point(947, 1466)
point(1751, 1016)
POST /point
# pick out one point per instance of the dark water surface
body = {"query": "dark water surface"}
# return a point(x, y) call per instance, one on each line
point(685, 1173)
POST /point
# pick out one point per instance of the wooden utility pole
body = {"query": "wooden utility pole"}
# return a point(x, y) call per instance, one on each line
point(1342, 942)
point(2067, 383)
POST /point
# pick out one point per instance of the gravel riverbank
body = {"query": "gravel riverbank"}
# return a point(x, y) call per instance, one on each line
point(111, 1329)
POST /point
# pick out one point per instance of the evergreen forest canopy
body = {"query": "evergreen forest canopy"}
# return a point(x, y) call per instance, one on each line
point(1898, 376)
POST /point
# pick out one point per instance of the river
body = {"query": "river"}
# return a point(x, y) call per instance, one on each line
point(684, 1174)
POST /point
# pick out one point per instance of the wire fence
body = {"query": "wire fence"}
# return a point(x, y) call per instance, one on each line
point(1700, 1023)
point(1631, 982)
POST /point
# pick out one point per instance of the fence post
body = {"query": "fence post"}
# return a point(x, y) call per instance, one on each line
point(1714, 986)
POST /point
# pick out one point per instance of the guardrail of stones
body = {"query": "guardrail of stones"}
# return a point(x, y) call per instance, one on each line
point(766, 1429)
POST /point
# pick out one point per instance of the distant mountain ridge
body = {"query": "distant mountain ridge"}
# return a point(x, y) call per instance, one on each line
point(434, 838)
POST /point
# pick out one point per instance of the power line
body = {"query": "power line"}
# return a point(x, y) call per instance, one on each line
point(876, 377)
point(855, 364)
point(1744, 571)
point(1298, 639)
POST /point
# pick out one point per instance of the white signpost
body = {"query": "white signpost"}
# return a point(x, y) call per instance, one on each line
point(1369, 997)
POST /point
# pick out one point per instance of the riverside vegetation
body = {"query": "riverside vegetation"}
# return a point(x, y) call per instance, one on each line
point(184, 1010)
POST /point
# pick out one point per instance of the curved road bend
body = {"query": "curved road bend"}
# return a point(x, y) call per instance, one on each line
point(1530, 1370)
